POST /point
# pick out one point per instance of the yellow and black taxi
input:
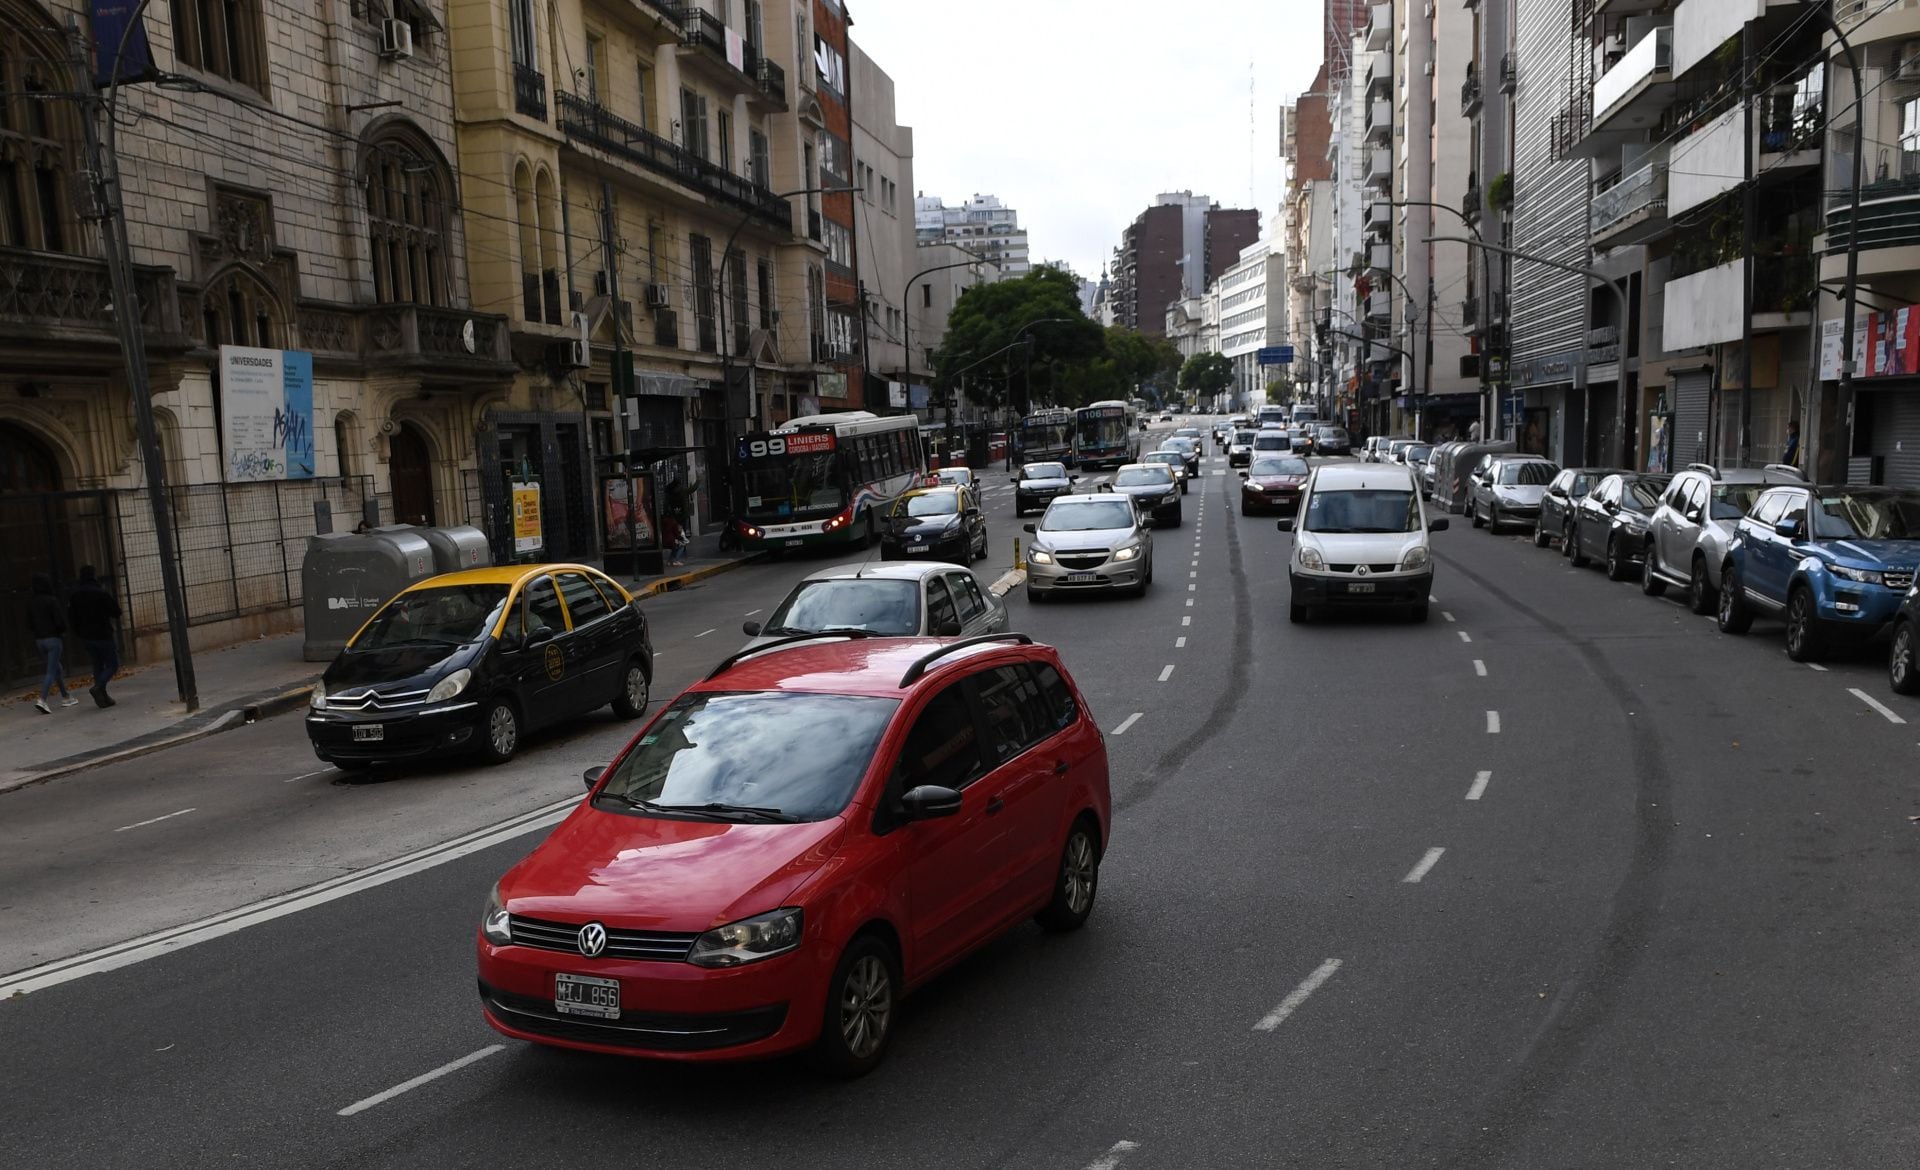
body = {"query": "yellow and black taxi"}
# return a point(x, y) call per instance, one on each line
point(472, 661)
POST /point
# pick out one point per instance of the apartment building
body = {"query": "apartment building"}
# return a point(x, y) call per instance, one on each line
point(1172, 251)
point(981, 224)
point(1250, 310)
point(887, 256)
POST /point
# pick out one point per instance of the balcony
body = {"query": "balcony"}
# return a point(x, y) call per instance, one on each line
point(409, 337)
point(529, 92)
point(1379, 68)
point(1379, 27)
point(1472, 202)
point(772, 81)
point(1889, 223)
point(1703, 308)
point(1380, 305)
point(1380, 256)
point(1633, 210)
point(52, 296)
point(1470, 94)
point(1377, 165)
point(588, 124)
point(1470, 313)
point(1632, 95)
point(1380, 122)
point(1509, 74)
point(1380, 218)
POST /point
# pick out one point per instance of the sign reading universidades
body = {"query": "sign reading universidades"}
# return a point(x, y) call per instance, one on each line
point(266, 413)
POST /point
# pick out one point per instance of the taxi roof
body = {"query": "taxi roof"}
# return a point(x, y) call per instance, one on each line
point(856, 666)
point(495, 575)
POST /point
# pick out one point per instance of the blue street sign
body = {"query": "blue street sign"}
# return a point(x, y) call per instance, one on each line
point(1275, 355)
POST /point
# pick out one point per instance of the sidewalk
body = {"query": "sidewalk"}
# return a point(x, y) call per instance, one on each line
point(237, 684)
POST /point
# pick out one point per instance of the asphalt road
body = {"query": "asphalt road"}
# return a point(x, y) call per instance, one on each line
point(1563, 877)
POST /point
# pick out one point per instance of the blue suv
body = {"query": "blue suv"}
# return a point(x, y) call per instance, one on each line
point(1834, 560)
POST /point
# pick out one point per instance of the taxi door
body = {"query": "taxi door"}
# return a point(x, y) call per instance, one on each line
point(539, 669)
point(595, 652)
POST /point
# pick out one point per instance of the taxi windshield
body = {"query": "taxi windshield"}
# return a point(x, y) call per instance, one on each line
point(930, 504)
point(450, 615)
point(755, 755)
point(888, 607)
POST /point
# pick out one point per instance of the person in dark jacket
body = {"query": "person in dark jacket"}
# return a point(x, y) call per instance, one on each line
point(49, 627)
point(93, 611)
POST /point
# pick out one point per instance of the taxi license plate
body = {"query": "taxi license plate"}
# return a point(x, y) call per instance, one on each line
point(1079, 578)
point(584, 995)
point(796, 542)
point(1360, 587)
point(369, 733)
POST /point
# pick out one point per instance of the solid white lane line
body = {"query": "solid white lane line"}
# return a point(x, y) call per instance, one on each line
point(307, 775)
point(183, 812)
point(1129, 721)
point(1179, 643)
point(1111, 1158)
point(1297, 996)
point(1166, 672)
point(1464, 636)
point(1493, 723)
point(1186, 620)
point(1816, 666)
point(423, 1078)
point(1445, 614)
point(1479, 785)
point(1870, 701)
point(1425, 864)
point(1479, 668)
point(703, 633)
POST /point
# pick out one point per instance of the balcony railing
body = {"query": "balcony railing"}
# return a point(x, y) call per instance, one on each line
point(414, 336)
point(1472, 202)
point(585, 122)
point(1470, 313)
point(772, 80)
point(1470, 93)
point(1889, 212)
point(1509, 75)
point(1791, 122)
point(73, 295)
point(1649, 60)
point(529, 92)
point(813, 223)
point(1643, 190)
point(1847, 13)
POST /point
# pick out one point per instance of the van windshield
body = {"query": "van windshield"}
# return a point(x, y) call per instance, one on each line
point(1362, 510)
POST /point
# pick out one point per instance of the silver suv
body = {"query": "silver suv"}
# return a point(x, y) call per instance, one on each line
point(1687, 541)
point(1090, 543)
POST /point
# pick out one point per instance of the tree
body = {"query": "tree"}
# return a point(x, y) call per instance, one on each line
point(1040, 309)
point(1206, 374)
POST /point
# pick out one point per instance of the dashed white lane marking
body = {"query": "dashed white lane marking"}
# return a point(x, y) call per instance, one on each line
point(1166, 672)
point(1432, 599)
point(1187, 620)
point(1193, 572)
point(750, 613)
point(183, 812)
point(307, 775)
point(1129, 721)
point(1111, 1158)
point(423, 1078)
point(1493, 723)
point(1179, 643)
point(1189, 601)
point(1876, 704)
point(1816, 666)
point(1297, 996)
point(1191, 587)
point(1479, 668)
point(1464, 636)
point(1479, 785)
point(1445, 614)
point(1425, 865)
point(703, 633)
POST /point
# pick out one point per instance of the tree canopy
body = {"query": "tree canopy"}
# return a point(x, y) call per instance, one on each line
point(1206, 374)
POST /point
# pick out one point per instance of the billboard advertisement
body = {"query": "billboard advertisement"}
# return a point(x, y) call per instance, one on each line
point(266, 413)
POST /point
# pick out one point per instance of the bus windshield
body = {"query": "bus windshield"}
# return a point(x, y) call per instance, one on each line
point(1103, 431)
point(788, 485)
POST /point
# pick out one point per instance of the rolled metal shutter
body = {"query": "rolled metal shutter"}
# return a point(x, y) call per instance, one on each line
point(1896, 435)
point(1692, 409)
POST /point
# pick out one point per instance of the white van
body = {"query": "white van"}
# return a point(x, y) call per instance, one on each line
point(1360, 541)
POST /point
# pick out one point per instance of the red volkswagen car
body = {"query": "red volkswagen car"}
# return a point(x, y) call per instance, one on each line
point(1272, 484)
point(821, 826)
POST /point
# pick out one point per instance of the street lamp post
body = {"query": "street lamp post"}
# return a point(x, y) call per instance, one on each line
point(906, 328)
point(1850, 290)
point(1485, 308)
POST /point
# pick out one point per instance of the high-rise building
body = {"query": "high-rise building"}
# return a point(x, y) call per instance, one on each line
point(982, 225)
point(1172, 251)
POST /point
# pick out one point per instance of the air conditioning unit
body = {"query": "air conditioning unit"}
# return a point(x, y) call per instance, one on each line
point(571, 355)
point(1906, 62)
point(396, 40)
point(658, 296)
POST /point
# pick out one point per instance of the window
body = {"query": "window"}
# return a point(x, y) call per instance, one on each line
point(406, 222)
point(756, 26)
point(37, 150)
point(702, 248)
point(236, 309)
point(834, 157)
point(724, 126)
point(1910, 138)
point(1015, 715)
point(540, 606)
point(940, 607)
point(926, 296)
point(966, 595)
point(693, 123)
point(759, 159)
point(765, 273)
point(839, 243)
point(643, 73)
point(1057, 696)
point(520, 28)
point(1796, 511)
point(830, 66)
point(221, 37)
point(583, 599)
point(737, 300)
point(596, 65)
point(1769, 507)
point(944, 745)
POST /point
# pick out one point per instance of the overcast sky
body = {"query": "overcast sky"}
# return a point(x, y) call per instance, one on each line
point(1078, 112)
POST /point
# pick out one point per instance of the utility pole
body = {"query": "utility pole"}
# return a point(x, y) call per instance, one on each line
point(623, 387)
point(107, 208)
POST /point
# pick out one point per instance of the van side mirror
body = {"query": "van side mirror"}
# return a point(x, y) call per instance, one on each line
point(750, 628)
point(1028, 527)
point(1438, 524)
point(592, 775)
point(1284, 525)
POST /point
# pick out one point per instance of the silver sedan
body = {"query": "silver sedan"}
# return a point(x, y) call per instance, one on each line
point(889, 599)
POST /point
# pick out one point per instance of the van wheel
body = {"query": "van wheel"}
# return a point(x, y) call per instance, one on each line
point(863, 997)
point(1418, 613)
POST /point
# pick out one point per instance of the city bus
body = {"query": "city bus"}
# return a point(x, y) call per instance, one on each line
point(1047, 436)
point(824, 479)
point(1104, 435)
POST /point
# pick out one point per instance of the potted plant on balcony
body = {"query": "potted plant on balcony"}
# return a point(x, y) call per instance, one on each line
point(1500, 191)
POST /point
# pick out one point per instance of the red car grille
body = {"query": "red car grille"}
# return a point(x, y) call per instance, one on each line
point(621, 944)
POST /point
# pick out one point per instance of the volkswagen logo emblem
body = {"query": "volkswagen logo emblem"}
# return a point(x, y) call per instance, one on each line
point(1362, 570)
point(593, 940)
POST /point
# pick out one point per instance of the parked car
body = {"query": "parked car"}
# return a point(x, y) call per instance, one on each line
point(1613, 520)
point(1509, 490)
point(1566, 491)
point(900, 600)
point(473, 661)
point(1397, 449)
point(1360, 540)
point(1694, 524)
point(1174, 460)
point(796, 842)
point(1037, 484)
point(1413, 457)
point(1331, 440)
point(1189, 450)
point(1834, 560)
point(1092, 543)
point(1379, 448)
point(1272, 484)
point(1152, 488)
point(941, 523)
point(1423, 469)
point(1453, 464)
point(1240, 447)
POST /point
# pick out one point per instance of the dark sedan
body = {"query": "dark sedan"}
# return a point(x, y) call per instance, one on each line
point(1189, 450)
point(1153, 490)
point(1037, 484)
point(1613, 521)
point(1272, 484)
point(1562, 496)
point(942, 524)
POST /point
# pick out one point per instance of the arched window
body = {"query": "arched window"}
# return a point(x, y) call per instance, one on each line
point(408, 204)
point(237, 309)
point(37, 137)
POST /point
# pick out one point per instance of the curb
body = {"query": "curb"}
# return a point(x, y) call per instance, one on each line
point(1008, 583)
point(682, 580)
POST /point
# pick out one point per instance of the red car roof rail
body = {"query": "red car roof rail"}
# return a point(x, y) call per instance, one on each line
point(734, 659)
point(921, 664)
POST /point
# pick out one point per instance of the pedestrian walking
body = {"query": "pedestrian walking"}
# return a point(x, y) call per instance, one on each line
point(49, 627)
point(93, 610)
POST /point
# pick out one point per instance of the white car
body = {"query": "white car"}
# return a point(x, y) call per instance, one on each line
point(1360, 541)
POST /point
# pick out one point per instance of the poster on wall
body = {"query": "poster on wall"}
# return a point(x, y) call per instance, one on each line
point(266, 413)
point(624, 527)
point(527, 534)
